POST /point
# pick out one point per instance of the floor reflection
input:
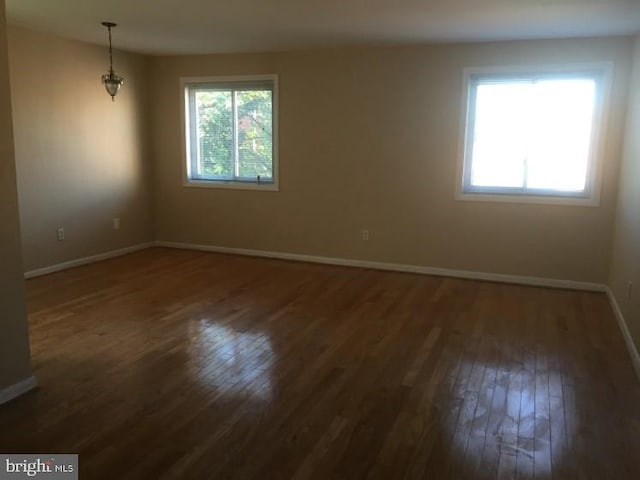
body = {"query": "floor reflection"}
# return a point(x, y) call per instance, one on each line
point(509, 414)
point(231, 362)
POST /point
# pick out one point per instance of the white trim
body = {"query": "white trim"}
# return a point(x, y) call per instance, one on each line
point(527, 198)
point(395, 267)
point(598, 141)
point(231, 185)
point(17, 389)
point(86, 260)
point(273, 186)
point(628, 340)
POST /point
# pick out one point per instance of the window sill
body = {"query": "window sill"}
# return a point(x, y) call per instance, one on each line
point(533, 199)
point(220, 184)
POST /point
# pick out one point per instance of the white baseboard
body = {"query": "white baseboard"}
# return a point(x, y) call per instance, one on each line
point(631, 347)
point(17, 389)
point(443, 272)
point(86, 260)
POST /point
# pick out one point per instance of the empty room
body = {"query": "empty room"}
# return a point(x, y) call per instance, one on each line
point(370, 239)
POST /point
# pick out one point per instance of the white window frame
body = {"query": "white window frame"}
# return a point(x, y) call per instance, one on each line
point(601, 72)
point(185, 83)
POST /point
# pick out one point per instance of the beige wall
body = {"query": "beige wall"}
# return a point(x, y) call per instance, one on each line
point(81, 158)
point(14, 339)
point(625, 260)
point(369, 140)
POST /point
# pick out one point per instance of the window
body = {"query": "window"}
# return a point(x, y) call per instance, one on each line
point(231, 132)
point(533, 136)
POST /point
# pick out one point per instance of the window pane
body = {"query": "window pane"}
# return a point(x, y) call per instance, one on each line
point(255, 134)
point(562, 116)
point(215, 134)
point(532, 133)
point(500, 134)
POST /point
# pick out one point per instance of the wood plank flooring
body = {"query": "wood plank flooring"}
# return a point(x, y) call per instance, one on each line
point(169, 364)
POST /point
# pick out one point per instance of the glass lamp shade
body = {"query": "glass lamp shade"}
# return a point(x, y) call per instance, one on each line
point(112, 83)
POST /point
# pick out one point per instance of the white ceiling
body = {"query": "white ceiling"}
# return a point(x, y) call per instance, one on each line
point(208, 26)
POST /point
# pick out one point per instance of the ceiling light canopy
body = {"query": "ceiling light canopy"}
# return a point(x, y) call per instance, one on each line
point(111, 80)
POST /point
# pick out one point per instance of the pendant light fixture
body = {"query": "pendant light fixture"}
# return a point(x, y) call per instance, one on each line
point(112, 81)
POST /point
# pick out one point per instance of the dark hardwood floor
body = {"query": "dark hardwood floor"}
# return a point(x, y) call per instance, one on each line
point(188, 365)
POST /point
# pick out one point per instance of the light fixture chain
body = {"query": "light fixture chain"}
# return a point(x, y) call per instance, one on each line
point(110, 52)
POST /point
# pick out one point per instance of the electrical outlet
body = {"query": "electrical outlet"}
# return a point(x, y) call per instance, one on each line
point(365, 235)
point(630, 290)
point(60, 232)
point(116, 223)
